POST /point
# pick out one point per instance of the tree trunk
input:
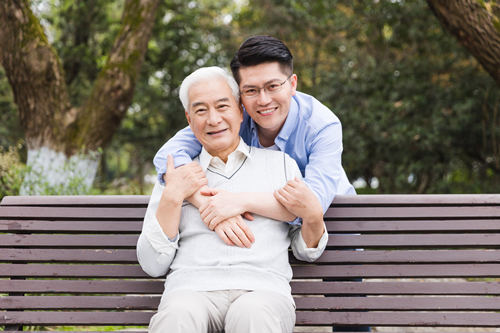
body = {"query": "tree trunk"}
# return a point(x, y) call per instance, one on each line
point(476, 25)
point(63, 141)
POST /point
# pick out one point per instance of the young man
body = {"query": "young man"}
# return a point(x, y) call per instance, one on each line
point(211, 286)
point(278, 117)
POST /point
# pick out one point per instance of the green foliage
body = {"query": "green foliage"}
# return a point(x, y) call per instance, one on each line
point(12, 171)
point(418, 112)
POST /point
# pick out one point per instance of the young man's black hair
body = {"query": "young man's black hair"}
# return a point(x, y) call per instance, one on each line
point(261, 49)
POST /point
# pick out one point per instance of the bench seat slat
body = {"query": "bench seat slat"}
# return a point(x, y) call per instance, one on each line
point(329, 256)
point(398, 270)
point(83, 286)
point(360, 200)
point(298, 287)
point(72, 212)
point(432, 240)
point(396, 288)
point(306, 271)
point(413, 212)
point(104, 226)
point(476, 303)
point(335, 240)
point(64, 240)
point(303, 318)
point(447, 226)
point(389, 318)
point(335, 212)
point(70, 226)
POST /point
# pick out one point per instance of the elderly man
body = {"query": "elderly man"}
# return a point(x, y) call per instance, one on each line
point(211, 286)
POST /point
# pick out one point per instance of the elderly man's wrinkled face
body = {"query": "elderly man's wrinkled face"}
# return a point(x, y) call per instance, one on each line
point(214, 116)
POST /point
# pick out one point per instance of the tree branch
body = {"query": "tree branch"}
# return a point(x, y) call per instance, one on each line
point(476, 28)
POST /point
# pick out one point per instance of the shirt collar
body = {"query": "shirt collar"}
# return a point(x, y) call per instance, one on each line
point(206, 159)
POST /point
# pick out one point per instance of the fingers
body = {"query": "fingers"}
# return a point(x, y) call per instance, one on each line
point(209, 191)
point(222, 235)
point(248, 216)
point(246, 229)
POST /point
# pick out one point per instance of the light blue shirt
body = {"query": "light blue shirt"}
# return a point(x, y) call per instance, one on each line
point(311, 135)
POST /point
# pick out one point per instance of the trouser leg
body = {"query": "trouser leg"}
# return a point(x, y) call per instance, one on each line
point(190, 311)
point(260, 312)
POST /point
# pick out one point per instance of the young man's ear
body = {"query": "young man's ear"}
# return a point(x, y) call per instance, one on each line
point(293, 83)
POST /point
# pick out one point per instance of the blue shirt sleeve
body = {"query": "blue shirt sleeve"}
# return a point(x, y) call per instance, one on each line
point(324, 170)
point(183, 146)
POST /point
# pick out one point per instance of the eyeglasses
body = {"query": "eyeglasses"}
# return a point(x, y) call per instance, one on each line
point(270, 88)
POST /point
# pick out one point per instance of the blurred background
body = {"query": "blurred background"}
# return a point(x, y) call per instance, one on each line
point(419, 113)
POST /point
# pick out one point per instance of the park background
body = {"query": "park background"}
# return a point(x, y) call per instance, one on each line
point(420, 113)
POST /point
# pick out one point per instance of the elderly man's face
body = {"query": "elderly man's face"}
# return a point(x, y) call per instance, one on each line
point(214, 116)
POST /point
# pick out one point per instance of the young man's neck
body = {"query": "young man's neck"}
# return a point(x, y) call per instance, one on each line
point(266, 137)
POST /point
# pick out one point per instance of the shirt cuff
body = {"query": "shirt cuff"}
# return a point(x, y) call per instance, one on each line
point(312, 253)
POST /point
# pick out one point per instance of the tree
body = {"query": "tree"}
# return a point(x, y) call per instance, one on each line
point(64, 140)
point(476, 25)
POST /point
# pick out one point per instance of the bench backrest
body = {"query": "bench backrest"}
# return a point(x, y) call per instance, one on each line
point(71, 261)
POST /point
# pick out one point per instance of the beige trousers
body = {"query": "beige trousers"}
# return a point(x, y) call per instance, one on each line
point(229, 311)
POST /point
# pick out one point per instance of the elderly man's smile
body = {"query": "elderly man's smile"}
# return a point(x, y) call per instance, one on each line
point(217, 132)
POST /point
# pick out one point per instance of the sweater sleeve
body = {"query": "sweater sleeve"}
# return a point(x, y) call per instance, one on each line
point(155, 251)
point(299, 247)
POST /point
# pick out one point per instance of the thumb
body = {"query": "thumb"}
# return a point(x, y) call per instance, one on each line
point(170, 163)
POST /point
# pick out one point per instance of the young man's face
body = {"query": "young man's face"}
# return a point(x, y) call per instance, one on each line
point(214, 116)
point(269, 111)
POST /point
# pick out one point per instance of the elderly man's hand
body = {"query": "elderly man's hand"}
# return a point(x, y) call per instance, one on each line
point(234, 231)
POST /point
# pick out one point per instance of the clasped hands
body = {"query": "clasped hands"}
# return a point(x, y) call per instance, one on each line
point(224, 212)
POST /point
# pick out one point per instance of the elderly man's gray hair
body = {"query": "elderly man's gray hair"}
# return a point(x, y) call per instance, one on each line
point(206, 73)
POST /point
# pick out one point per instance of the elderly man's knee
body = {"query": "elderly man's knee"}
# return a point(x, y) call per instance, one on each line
point(257, 312)
point(179, 314)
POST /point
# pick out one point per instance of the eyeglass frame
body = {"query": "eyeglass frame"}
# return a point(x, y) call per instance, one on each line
point(267, 91)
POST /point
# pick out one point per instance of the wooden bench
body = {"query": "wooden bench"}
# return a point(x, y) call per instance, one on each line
point(428, 261)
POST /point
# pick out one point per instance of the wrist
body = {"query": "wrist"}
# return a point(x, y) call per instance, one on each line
point(172, 196)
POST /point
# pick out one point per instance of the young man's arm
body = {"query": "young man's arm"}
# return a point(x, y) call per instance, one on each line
point(183, 146)
point(324, 173)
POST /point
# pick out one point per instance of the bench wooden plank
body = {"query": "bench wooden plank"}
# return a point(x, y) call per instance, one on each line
point(146, 302)
point(340, 200)
point(335, 212)
point(303, 317)
point(427, 240)
point(398, 318)
point(73, 212)
point(156, 286)
point(413, 212)
point(399, 270)
point(335, 240)
point(306, 271)
point(71, 226)
point(444, 226)
point(329, 256)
